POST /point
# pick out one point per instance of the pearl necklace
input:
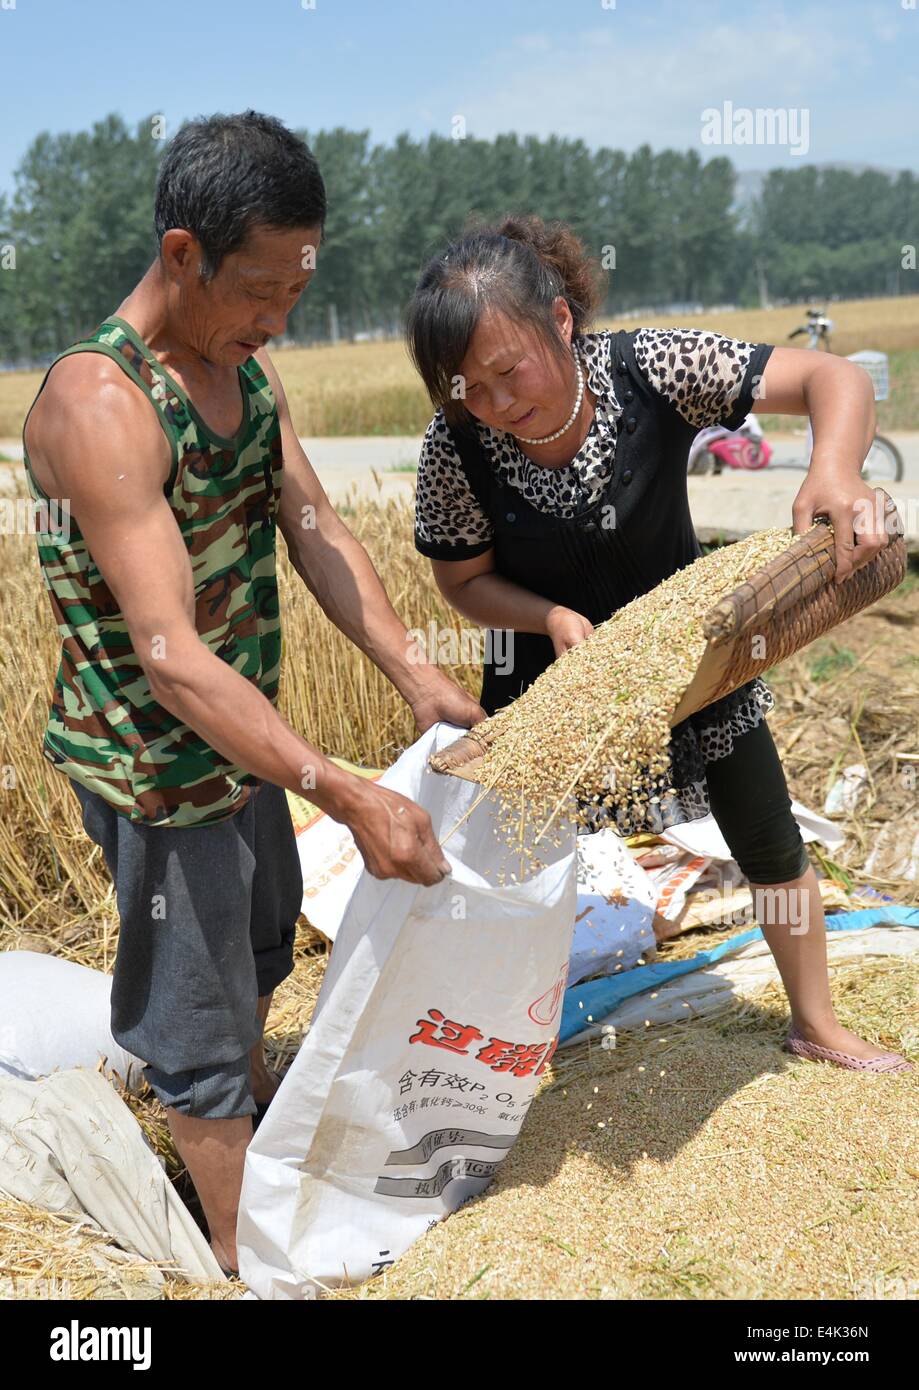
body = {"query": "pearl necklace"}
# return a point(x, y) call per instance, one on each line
point(547, 438)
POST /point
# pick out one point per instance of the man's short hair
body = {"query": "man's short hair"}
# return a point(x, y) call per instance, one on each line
point(222, 176)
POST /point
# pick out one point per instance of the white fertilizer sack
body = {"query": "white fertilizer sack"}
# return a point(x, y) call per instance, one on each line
point(55, 1015)
point(614, 926)
point(437, 1017)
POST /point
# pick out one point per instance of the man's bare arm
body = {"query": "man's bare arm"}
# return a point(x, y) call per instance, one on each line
point(106, 448)
point(340, 574)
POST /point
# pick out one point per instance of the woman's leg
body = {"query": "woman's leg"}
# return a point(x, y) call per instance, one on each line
point(749, 800)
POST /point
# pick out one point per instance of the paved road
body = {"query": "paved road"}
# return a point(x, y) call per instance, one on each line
point(735, 503)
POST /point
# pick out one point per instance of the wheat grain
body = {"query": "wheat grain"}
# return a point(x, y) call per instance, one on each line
point(590, 737)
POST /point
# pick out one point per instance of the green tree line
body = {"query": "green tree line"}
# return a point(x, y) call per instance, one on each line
point(76, 233)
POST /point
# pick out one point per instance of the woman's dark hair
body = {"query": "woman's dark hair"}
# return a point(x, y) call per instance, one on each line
point(222, 176)
point(519, 267)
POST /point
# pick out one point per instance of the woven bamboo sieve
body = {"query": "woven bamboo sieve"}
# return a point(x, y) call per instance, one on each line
point(788, 603)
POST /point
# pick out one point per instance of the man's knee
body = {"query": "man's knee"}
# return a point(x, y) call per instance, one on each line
point(221, 1092)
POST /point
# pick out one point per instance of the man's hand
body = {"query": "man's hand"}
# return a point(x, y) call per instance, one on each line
point(861, 524)
point(442, 699)
point(394, 835)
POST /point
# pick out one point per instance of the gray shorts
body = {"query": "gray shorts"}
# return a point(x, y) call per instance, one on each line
point(207, 921)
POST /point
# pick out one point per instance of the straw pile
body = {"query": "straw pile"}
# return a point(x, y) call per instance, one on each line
point(50, 1256)
point(596, 724)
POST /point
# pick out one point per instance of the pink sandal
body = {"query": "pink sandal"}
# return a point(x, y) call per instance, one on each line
point(888, 1061)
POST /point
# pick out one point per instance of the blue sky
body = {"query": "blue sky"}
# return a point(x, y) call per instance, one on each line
point(617, 74)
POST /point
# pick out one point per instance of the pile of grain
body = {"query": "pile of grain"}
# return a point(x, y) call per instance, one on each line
point(596, 724)
point(699, 1161)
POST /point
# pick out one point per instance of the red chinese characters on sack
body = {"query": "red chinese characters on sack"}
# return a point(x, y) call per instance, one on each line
point(520, 1059)
point(456, 1037)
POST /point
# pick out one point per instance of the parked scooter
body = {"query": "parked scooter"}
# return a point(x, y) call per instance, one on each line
point(715, 448)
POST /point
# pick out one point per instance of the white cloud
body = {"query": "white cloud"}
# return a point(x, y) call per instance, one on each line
point(533, 43)
point(622, 84)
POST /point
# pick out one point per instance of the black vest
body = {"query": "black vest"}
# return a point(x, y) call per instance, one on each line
point(637, 533)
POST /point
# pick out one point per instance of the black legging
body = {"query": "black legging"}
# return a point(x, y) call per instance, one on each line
point(749, 800)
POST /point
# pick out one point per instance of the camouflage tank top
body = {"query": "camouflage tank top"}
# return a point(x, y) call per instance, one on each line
point(105, 729)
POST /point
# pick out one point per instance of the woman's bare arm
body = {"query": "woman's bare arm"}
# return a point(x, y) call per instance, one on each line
point(476, 590)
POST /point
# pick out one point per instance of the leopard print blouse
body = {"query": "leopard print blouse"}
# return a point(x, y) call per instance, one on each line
point(702, 374)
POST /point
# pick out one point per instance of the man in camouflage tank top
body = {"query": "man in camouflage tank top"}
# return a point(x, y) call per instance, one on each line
point(166, 434)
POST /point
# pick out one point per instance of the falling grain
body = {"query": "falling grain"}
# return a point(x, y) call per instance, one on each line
point(590, 737)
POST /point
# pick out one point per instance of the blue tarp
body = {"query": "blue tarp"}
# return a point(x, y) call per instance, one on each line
point(590, 1003)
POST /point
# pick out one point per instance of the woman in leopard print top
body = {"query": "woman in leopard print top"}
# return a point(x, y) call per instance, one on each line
point(540, 429)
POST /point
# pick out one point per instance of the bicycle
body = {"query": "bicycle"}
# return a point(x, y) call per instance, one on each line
point(817, 328)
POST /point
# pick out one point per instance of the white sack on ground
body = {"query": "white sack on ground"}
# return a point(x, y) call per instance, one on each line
point(438, 1012)
point(69, 1143)
point(614, 924)
point(55, 1014)
point(331, 863)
